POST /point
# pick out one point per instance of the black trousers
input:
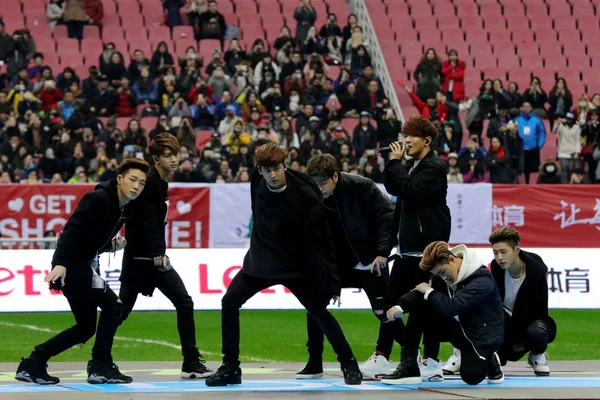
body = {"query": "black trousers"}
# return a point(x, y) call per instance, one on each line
point(375, 287)
point(516, 343)
point(171, 285)
point(84, 304)
point(243, 287)
point(405, 275)
point(438, 328)
point(75, 29)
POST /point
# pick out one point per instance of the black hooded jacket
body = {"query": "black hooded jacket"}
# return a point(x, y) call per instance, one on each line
point(145, 228)
point(531, 303)
point(363, 216)
point(89, 231)
point(421, 215)
point(290, 235)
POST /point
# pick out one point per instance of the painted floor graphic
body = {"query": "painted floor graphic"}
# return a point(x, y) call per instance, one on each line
point(271, 385)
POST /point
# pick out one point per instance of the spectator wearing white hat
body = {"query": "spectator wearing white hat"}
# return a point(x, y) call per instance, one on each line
point(569, 144)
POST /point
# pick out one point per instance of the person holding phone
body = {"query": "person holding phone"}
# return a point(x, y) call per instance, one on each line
point(421, 216)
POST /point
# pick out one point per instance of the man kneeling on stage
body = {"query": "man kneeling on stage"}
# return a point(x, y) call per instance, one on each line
point(466, 311)
point(521, 280)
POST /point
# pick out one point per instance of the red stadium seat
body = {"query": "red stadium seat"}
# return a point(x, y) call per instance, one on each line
point(555, 62)
point(159, 34)
point(91, 32)
point(429, 36)
point(67, 46)
point(92, 45)
point(71, 60)
point(508, 62)
point(531, 61)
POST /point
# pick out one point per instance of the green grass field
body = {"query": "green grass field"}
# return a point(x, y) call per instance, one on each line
point(267, 336)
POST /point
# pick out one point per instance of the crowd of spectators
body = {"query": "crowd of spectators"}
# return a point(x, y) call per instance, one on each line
point(311, 90)
point(515, 132)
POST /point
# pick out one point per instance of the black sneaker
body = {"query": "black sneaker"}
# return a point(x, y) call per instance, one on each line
point(495, 374)
point(105, 372)
point(30, 370)
point(313, 370)
point(227, 374)
point(407, 372)
point(195, 369)
point(352, 374)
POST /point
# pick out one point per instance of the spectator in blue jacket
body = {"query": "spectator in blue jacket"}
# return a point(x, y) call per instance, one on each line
point(145, 88)
point(533, 133)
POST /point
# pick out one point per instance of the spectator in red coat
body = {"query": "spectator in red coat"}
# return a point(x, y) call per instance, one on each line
point(49, 96)
point(453, 71)
point(125, 102)
point(201, 88)
point(432, 106)
point(94, 11)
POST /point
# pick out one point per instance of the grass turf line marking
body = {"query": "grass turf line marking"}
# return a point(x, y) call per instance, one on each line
point(129, 339)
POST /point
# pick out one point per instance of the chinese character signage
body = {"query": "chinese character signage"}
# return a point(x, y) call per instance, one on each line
point(550, 215)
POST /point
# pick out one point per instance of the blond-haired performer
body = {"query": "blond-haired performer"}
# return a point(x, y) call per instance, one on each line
point(466, 311)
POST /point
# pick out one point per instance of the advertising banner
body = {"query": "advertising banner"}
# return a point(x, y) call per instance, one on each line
point(550, 215)
point(28, 211)
point(573, 280)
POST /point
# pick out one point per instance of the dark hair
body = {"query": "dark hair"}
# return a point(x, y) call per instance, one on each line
point(322, 165)
point(133, 163)
point(164, 141)
point(506, 234)
point(270, 155)
point(419, 126)
point(567, 91)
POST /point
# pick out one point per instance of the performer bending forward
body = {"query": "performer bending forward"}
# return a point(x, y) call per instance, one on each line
point(290, 245)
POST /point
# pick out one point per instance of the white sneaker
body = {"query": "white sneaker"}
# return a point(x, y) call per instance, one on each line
point(375, 367)
point(452, 366)
point(539, 364)
point(431, 370)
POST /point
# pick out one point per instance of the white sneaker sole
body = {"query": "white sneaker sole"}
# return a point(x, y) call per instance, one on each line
point(496, 381)
point(309, 376)
point(404, 381)
point(196, 375)
point(434, 378)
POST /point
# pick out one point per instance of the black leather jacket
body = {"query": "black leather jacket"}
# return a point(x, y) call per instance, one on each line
point(421, 215)
point(366, 215)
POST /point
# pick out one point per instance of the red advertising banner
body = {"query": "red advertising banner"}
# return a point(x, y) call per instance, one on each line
point(549, 215)
point(28, 211)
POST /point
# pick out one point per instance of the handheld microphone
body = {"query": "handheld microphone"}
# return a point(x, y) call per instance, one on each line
point(384, 149)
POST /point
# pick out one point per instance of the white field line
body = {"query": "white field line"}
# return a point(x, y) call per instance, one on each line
point(129, 339)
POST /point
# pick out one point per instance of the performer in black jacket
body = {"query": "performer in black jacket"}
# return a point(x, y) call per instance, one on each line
point(521, 279)
point(421, 216)
point(360, 218)
point(89, 231)
point(145, 263)
point(291, 245)
point(466, 311)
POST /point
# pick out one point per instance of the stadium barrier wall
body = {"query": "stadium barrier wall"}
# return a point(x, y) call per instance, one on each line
point(573, 279)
